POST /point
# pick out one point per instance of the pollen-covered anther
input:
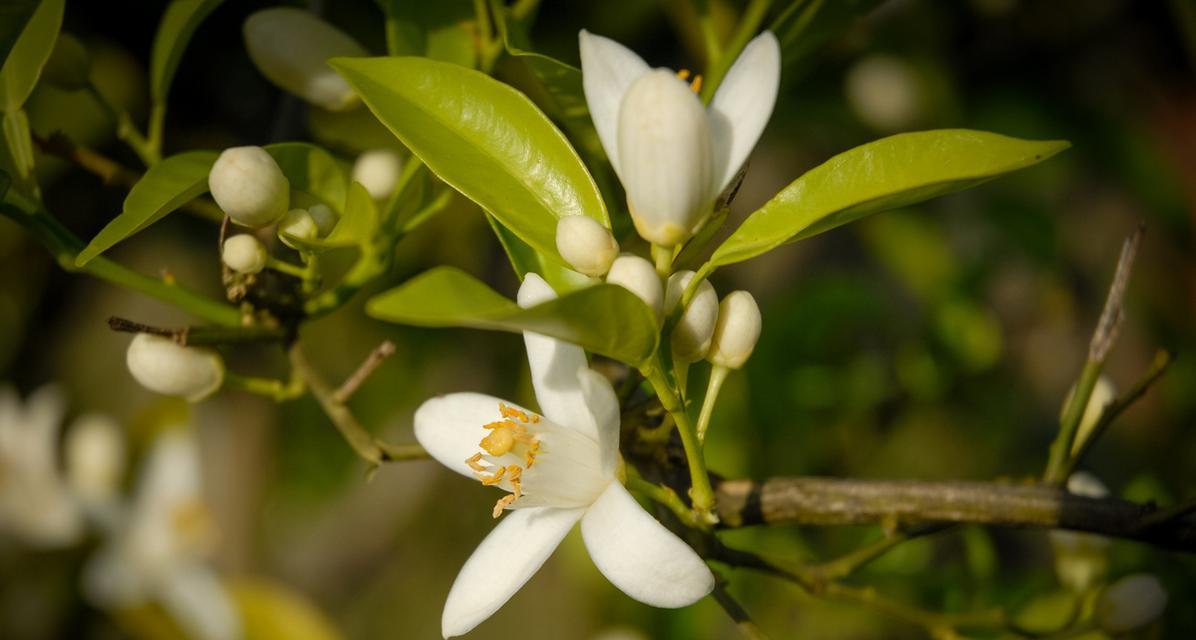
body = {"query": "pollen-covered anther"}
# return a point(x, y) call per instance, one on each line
point(496, 478)
point(502, 503)
point(474, 462)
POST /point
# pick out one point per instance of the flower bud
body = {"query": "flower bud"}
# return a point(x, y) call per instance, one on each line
point(95, 458)
point(248, 185)
point(638, 276)
point(162, 365)
point(324, 218)
point(737, 330)
point(297, 224)
point(1131, 603)
point(586, 245)
point(291, 47)
point(69, 66)
point(378, 171)
point(1103, 395)
point(244, 253)
point(664, 157)
point(1081, 559)
point(695, 330)
point(883, 91)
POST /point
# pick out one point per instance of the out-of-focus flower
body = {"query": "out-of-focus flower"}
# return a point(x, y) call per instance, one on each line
point(162, 365)
point(737, 330)
point(249, 186)
point(324, 217)
point(378, 171)
point(559, 469)
point(35, 504)
point(883, 91)
point(1131, 603)
point(95, 460)
point(291, 47)
point(638, 276)
point(693, 333)
point(586, 245)
point(244, 253)
point(157, 552)
point(673, 155)
point(1081, 559)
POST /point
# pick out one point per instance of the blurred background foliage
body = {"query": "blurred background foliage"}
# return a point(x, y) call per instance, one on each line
point(935, 342)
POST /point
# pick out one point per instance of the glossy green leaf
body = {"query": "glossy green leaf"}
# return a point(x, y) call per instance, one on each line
point(29, 53)
point(805, 25)
point(313, 171)
point(484, 139)
point(14, 15)
point(179, 22)
point(441, 30)
point(165, 187)
point(359, 223)
point(604, 319)
point(886, 174)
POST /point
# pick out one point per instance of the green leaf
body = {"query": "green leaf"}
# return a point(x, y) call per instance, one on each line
point(525, 259)
point(605, 319)
point(179, 22)
point(484, 139)
point(886, 174)
point(805, 25)
point(29, 53)
point(441, 30)
point(165, 187)
point(359, 223)
point(313, 171)
point(274, 611)
point(14, 15)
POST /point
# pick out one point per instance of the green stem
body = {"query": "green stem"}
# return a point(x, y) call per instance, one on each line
point(667, 498)
point(287, 268)
point(701, 493)
point(753, 15)
point(718, 375)
point(664, 260)
point(278, 390)
point(126, 131)
point(714, 48)
point(157, 122)
point(1070, 422)
point(740, 615)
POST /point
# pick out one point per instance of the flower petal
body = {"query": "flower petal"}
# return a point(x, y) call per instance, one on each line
point(641, 557)
point(555, 365)
point(607, 70)
point(604, 405)
point(450, 426)
point(503, 563)
point(199, 603)
point(742, 106)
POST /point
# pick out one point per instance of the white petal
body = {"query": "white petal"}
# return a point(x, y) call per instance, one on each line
point(607, 70)
point(198, 602)
point(554, 366)
point(450, 426)
point(742, 106)
point(640, 556)
point(604, 405)
point(503, 563)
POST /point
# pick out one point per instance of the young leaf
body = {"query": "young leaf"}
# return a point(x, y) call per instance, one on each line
point(604, 319)
point(166, 186)
point(483, 138)
point(359, 224)
point(886, 174)
point(312, 170)
point(14, 15)
point(179, 22)
point(29, 53)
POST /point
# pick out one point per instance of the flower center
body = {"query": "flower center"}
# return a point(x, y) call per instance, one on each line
point(508, 437)
point(695, 85)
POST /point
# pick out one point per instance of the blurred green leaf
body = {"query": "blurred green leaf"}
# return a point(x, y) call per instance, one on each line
point(1049, 613)
point(14, 15)
point(483, 138)
point(179, 22)
point(441, 30)
point(886, 174)
point(359, 224)
point(274, 611)
point(805, 25)
point(313, 171)
point(29, 53)
point(69, 66)
point(166, 186)
point(19, 142)
point(604, 319)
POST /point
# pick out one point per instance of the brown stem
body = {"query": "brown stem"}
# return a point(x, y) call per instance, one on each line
point(737, 613)
point(829, 501)
point(203, 335)
point(349, 387)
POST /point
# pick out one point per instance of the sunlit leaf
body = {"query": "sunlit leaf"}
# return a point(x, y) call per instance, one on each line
point(29, 53)
point(483, 138)
point(604, 319)
point(179, 22)
point(165, 187)
point(886, 174)
point(359, 223)
point(312, 170)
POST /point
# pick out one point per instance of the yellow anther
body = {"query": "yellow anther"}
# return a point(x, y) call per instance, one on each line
point(696, 84)
point(516, 484)
point(473, 462)
point(512, 412)
point(494, 479)
point(683, 74)
point(499, 441)
point(502, 503)
point(529, 458)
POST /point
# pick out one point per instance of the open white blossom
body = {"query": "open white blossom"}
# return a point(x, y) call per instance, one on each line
point(673, 155)
point(157, 552)
point(558, 468)
point(35, 504)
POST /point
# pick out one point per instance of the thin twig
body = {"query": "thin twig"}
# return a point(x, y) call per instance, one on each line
point(737, 613)
point(203, 335)
point(1110, 318)
point(380, 353)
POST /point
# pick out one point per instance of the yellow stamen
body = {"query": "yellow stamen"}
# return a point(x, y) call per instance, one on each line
point(496, 478)
point(502, 503)
point(473, 461)
point(696, 84)
point(516, 474)
point(512, 412)
point(683, 74)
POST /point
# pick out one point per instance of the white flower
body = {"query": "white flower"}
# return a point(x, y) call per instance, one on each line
point(883, 91)
point(1131, 603)
point(695, 330)
point(244, 253)
point(157, 552)
point(378, 171)
point(559, 469)
point(162, 365)
point(291, 47)
point(249, 186)
point(737, 330)
point(95, 459)
point(673, 155)
point(638, 276)
point(586, 245)
point(35, 504)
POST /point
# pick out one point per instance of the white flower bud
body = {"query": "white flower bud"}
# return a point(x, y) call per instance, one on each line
point(586, 245)
point(664, 157)
point(638, 276)
point(883, 91)
point(95, 458)
point(244, 253)
point(248, 185)
point(161, 365)
point(324, 217)
point(299, 224)
point(1131, 603)
point(737, 330)
point(1081, 559)
point(695, 330)
point(378, 171)
point(1103, 395)
point(291, 47)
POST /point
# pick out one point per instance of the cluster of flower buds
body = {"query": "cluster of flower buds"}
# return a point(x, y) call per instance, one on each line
point(162, 365)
